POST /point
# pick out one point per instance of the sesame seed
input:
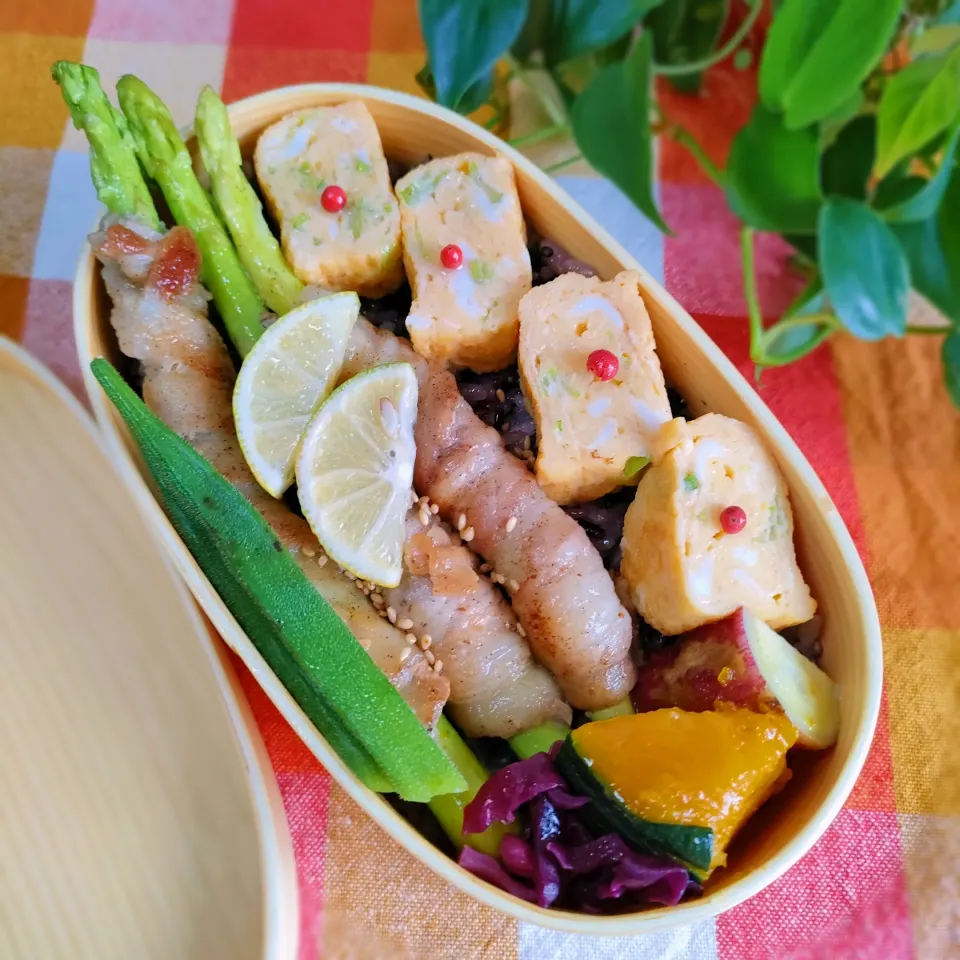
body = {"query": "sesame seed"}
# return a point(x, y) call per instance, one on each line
point(404, 654)
point(424, 499)
point(501, 396)
point(511, 523)
point(434, 508)
point(425, 641)
point(308, 551)
point(391, 615)
point(413, 497)
point(377, 599)
point(520, 630)
point(498, 578)
point(431, 659)
point(405, 624)
point(383, 613)
point(424, 517)
point(526, 443)
point(350, 576)
point(468, 534)
point(461, 521)
point(322, 560)
point(484, 567)
point(410, 638)
point(438, 666)
point(514, 586)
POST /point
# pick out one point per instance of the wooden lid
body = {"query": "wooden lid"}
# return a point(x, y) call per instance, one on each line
point(129, 826)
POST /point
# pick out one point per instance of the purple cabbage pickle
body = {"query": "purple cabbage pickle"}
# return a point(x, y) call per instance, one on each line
point(509, 789)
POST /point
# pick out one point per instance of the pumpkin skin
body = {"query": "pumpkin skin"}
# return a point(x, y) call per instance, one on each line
point(679, 783)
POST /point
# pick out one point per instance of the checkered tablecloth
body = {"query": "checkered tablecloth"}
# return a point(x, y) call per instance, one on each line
point(874, 420)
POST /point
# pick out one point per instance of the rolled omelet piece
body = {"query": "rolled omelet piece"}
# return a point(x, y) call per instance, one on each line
point(296, 159)
point(683, 570)
point(588, 429)
point(466, 315)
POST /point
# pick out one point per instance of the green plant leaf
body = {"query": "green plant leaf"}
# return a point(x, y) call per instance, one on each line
point(804, 244)
point(924, 201)
point(818, 52)
point(788, 343)
point(936, 39)
point(791, 338)
point(835, 121)
point(865, 273)
point(896, 190)
point(845, 166)
point(475, 97)
point(811, 299)
point(611, 124)
point(796, 27)
point(773, 180)
point(932, 248)
point(534, 31)
point(918, 103)
point(950, 355)
point(581, 26)
point(950, 15)
point(685, 31)
point(464, 39)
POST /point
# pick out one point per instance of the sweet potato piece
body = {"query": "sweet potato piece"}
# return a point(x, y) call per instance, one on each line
point(740, 660)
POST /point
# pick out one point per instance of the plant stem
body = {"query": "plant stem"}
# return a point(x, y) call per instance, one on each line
point(535, 136)
point(560, 164)
point(826, 321)
point(751, 295)
point(686, 139)
point(697, 66)
point(930, 330)
point(494, 120)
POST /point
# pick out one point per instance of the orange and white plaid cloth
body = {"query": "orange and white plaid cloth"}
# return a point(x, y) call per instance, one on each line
point(874, 420)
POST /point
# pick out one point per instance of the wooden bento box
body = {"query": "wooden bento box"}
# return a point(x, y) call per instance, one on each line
point(791, 823)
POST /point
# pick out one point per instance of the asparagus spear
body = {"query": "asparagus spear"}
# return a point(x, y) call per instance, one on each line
point(165, 158)
point(113, 157)
point(538, 739)
point(240, 207)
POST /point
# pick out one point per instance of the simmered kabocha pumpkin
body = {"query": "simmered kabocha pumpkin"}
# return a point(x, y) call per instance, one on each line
point(678, 783)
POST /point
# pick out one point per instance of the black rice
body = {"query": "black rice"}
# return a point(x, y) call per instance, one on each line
point(510, 416)
point(549, 261)
point(389, 312)
point(498, 400)
point(603, 521)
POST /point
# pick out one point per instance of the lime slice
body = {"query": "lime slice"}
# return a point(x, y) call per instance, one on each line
point(284, 379)
point(355, 471)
